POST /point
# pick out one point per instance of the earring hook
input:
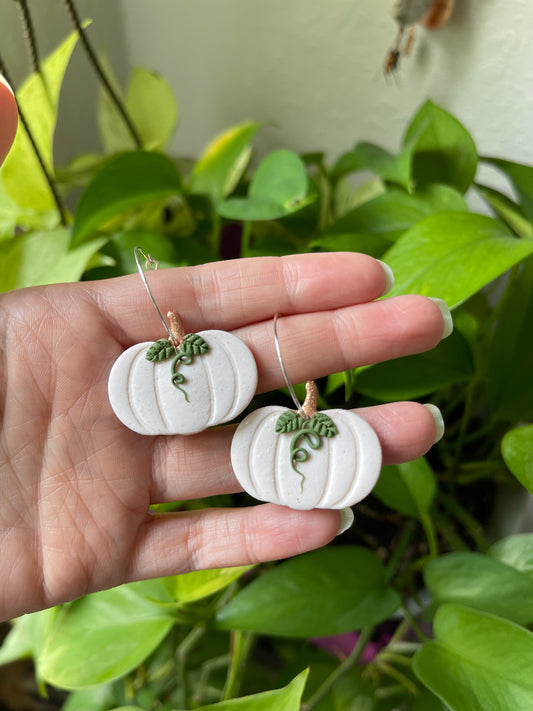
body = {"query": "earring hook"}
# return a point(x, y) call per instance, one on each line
point(152, 264)
point(298, 404)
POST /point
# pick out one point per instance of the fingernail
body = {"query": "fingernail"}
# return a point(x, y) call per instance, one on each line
point(439, 422)
point(446, 315)
point(347, 519)
point(4, 82)
point(389, 276)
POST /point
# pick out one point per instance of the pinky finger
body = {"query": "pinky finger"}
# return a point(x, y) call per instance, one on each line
point(171, 544)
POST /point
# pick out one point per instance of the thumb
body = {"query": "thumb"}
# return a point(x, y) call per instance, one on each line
point(8, 118)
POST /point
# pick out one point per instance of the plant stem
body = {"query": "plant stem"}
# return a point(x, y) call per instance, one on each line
point(95, 63)
point(207, 668)
point(346, 665)
point(31, 44)
point(471, 524)
point(429, 530)
point(245, 237)
point(481, 432)
point(51, 184)
point(465, 421)
point(398, 552)
point(414, 624)
point(399, 677)
point(217, 234)
point(241, 645)
point(182, 653)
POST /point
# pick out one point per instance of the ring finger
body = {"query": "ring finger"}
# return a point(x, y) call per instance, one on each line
point(198, 466)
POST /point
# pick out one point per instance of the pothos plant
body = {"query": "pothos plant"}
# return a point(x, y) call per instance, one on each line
point(420, 605)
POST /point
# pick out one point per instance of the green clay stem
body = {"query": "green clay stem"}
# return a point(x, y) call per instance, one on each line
point(299, 454)
point(179, 378)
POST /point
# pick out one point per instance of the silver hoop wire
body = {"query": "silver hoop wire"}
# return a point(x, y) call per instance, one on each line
point(284, 371)
point(151, 264)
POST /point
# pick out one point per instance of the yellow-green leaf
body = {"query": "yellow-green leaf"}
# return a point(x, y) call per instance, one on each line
point(202, 583)
point(22, 175)
point(224, 161)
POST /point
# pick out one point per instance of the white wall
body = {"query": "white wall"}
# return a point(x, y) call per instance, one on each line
point(310, 69)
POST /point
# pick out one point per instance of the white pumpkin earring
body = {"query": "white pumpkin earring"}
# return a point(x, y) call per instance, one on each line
point(182, 384)
point(305, 459)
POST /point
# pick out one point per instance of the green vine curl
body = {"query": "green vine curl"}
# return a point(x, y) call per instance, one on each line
point(299, 454)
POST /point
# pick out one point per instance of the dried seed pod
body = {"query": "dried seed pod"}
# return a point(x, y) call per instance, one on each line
point(407, 12)
point(438, 14)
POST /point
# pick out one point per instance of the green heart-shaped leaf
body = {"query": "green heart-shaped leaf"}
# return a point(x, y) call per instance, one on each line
point(122, 621)
point(442, 149)
point(517, 452)
point(481, 582)
point(452, 255)
point(325, 592)
point(278, 188)
point(477, 662)
point(127, 181)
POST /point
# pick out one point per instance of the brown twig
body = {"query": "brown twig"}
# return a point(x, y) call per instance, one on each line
point(93, 59)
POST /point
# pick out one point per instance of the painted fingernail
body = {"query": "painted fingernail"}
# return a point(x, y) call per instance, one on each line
point(4, 82)
point(347, 519)
point(446, 315)
point(389, 276)
point(439, 422)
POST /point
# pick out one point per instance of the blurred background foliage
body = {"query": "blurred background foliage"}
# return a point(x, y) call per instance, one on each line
point(427, 602)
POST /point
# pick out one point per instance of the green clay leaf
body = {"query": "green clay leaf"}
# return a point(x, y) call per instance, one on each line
point(323, 425)
point(289, 422)
point(193, 345)
point(160, 350)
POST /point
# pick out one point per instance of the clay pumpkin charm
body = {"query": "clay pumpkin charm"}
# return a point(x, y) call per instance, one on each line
point(201, 380)
point(328, 460)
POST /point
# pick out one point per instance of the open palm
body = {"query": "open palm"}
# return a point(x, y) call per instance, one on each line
point(77, 485)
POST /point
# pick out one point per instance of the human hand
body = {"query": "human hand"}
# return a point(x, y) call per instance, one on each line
point(77, 485)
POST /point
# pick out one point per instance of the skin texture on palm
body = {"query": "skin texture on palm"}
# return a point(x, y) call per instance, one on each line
point(77, 484)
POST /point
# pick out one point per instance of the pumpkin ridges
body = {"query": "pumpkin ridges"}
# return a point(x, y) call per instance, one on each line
point(224, 366)
point(146, 410)
point(262, 428)
point(242, 362)
point(362, 486)
point(342, 419)
point(121, 371)
point(340, 473)
point(136, 405)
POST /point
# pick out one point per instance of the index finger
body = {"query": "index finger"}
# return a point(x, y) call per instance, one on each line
point(8, 118)
point(232, 294)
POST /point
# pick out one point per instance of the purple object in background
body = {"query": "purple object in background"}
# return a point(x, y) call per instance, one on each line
point(341, 645)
